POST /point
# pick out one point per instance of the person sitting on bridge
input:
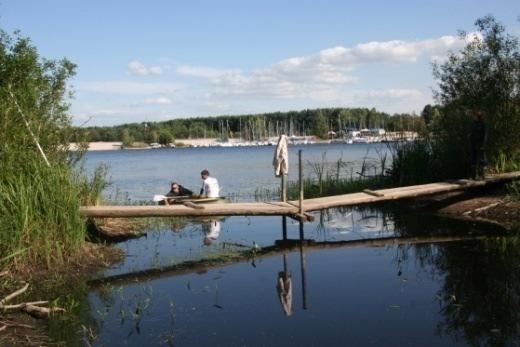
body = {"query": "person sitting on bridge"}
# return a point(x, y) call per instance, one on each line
point(210, 187)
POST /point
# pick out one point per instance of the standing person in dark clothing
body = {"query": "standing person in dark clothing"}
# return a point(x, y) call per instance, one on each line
point(477, 142)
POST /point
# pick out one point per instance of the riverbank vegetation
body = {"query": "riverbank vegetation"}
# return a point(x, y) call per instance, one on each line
point(484, 76)
point(40, 188)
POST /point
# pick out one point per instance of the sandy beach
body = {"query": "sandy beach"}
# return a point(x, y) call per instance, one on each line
point(98, 146)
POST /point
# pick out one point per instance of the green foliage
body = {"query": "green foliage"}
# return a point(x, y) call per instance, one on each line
point(165, 137)
point(40, 221)
point(127, 139)
point(40, 213)
point(320, 127)
point(485, 75)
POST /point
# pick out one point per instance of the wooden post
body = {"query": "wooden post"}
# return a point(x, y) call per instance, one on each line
point(284, 189)
point(300, 175)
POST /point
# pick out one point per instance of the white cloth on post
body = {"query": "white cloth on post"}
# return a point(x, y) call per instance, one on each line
point(281, 157)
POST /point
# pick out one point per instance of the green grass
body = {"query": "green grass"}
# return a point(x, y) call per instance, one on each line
point(40, 222)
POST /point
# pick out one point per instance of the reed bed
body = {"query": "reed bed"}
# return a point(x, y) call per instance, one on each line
point(336, 177)
point(40, 221)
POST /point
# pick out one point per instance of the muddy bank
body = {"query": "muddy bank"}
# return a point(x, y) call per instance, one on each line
point(492, 206)
point(54, 290)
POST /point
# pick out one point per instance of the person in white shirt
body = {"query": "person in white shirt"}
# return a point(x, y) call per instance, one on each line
point(210, 186)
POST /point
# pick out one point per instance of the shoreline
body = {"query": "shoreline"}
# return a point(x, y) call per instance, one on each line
point(210, 142)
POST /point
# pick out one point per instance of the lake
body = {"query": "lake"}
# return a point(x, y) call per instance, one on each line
point(139, 174)
point(364, 276)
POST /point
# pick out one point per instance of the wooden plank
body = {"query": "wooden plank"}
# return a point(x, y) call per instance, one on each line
point(238, 209)
point(292, 207)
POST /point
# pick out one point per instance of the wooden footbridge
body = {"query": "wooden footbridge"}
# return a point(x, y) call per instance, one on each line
point(294, 209)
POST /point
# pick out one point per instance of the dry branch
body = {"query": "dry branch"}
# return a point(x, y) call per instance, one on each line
point(41, 312)
point(23, 305)
point(13, 295)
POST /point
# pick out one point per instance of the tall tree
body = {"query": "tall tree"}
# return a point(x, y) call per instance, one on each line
point(485, 75)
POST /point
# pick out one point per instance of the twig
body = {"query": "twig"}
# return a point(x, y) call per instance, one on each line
point(2, 328)
point(16, 325)
point(480, 209)
point(23, 305)
point(13, 295)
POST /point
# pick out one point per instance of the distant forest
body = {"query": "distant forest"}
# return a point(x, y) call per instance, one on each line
point(317, 122)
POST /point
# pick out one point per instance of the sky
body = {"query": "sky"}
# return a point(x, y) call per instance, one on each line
point(157, 60)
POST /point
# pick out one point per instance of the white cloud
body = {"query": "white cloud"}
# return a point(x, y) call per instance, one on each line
point(127, 87)
point(321, 75)
point(137, 68)
point(202, 71)
point(391, 93)
point(162, 100)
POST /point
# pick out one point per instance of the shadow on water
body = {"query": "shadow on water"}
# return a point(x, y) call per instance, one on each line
point(355, 276)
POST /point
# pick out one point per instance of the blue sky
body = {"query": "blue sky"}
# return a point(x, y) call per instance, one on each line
point(158, 60)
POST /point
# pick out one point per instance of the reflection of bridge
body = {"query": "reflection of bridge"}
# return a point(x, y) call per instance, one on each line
point(292, 208)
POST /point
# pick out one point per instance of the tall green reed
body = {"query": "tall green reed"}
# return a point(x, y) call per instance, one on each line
point(39, 214)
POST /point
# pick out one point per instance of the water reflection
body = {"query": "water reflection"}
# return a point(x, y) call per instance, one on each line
point(448, 282)
point(211, 230)
point(284, 288)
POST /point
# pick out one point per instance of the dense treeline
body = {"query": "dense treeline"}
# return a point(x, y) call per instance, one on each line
point(316, 122)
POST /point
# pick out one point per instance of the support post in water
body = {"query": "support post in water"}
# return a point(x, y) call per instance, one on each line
point(284, 189)
point(300, 177)
point(284, 228)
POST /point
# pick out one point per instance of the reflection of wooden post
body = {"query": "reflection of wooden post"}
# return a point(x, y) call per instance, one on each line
point(284, 228)
point(300, 175)
point(285, 272)
point(303, 269)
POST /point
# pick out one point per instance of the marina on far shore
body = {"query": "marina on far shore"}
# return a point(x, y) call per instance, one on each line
point(368, 136)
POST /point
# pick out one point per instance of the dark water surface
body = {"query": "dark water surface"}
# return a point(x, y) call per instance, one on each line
point(454, 292)
point(368, 276)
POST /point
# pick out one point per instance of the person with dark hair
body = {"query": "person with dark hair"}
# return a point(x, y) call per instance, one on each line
point(477, 141)
point(178, 190)
point(210, 187)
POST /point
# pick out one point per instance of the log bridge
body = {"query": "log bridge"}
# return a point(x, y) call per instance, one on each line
point(292, 208)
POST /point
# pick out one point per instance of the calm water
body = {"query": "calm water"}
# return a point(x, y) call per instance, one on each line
point(418, 293)
point(139, 174)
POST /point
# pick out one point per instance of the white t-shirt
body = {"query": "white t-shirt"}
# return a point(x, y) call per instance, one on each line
point(211, 188)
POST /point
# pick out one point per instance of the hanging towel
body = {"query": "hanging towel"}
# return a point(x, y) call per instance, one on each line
point(281, 157)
